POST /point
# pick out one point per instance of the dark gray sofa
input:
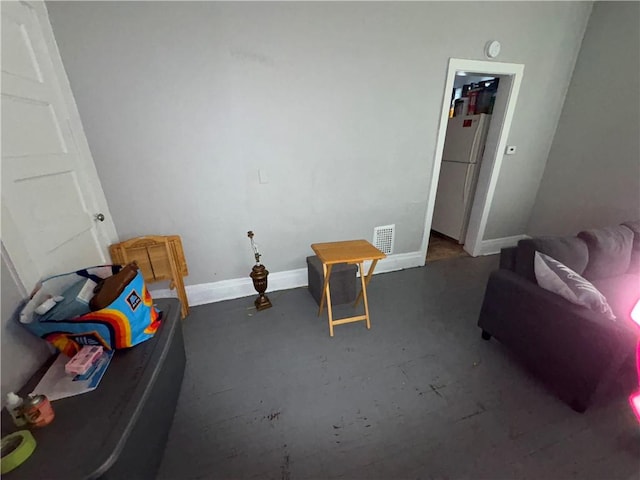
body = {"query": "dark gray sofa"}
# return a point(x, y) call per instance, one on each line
point(576, 351)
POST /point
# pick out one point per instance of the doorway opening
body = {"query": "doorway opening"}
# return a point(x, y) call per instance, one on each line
point(472, 102)
point(477, 110)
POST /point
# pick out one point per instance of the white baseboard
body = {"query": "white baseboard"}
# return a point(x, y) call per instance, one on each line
point(493, 246)
point(398, 261)
point(204, 293)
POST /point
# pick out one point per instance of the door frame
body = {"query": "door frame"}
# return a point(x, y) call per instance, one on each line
point(492, 160)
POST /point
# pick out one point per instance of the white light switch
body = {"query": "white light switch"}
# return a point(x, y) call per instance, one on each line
point(262, 176)
point(511, 149)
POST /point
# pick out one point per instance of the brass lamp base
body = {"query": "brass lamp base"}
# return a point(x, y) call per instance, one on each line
point(259, 276)
point(262, 302)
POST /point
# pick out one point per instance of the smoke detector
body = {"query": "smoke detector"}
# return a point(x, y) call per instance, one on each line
point(492, 49)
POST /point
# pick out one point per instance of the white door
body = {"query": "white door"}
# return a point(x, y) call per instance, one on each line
point(51, 193)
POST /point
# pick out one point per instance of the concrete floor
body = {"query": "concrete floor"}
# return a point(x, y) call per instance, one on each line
point(270, 395)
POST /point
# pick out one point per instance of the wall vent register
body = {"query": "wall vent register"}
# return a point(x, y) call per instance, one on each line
point(383, 238)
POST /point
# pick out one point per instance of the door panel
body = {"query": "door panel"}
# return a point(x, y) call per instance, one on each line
point(50, 190)
point(18, 141)
point(19, 59)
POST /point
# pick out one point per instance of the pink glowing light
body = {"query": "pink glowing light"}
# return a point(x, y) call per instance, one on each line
point(635, 313)
point(634, 400)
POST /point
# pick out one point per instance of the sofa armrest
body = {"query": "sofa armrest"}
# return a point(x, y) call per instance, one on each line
point(569, 345)
point(522, 294)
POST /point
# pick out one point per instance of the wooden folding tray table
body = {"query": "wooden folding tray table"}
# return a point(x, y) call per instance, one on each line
point(352, 252)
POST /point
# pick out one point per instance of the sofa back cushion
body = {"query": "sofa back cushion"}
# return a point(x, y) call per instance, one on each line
point(571, 251)
point(609, 251)
point(634, 265)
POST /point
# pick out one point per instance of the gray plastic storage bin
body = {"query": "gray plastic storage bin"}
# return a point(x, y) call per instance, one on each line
point(342, 285)
point(120, 429)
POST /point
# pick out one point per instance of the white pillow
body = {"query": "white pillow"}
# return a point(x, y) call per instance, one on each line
point(560, 279)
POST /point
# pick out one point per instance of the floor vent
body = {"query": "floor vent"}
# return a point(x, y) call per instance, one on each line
point(383, 238)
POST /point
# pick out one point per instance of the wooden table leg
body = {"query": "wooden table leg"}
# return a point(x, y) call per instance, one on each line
point(364, 295)
point(327, 293)
point(368, 279)
point(327, 273)
point(182, 295)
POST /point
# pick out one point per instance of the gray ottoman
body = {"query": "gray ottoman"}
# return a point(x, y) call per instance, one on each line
point(342, 285)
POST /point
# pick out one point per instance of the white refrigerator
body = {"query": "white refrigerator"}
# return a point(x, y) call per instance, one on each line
point(463, 150)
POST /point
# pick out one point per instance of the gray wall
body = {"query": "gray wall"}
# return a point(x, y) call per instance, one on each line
point(21, 352)
point(339, 103)
point(592, 177)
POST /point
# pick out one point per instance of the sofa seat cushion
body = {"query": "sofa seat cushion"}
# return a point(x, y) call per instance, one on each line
point(571, 251)
point(561, 280)
point(609, 251)
point(622, 293)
